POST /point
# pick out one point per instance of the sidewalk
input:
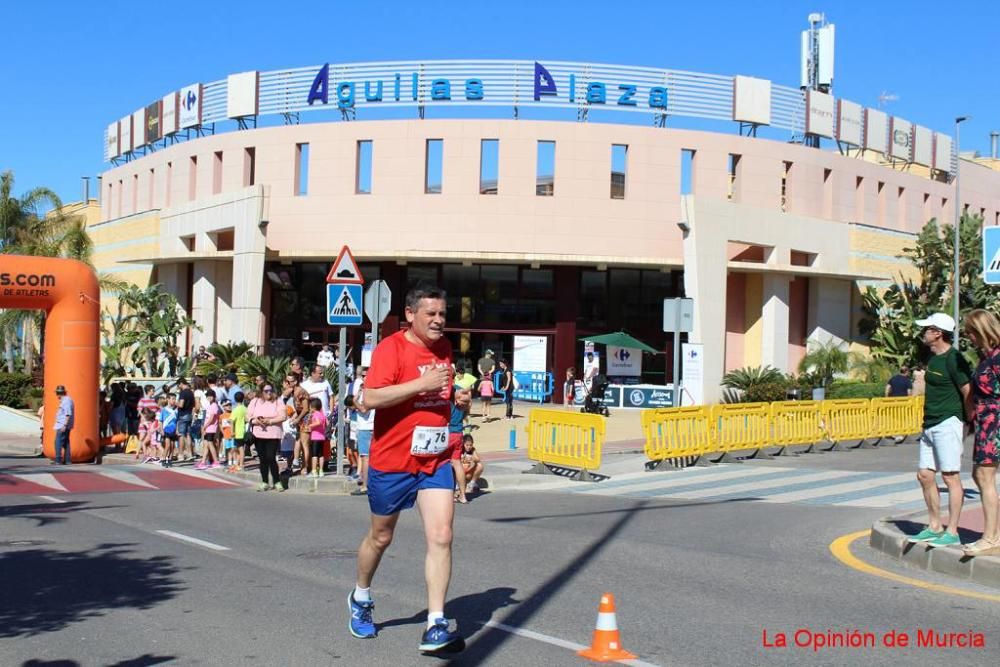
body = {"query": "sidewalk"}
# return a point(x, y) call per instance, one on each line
point(889, 535)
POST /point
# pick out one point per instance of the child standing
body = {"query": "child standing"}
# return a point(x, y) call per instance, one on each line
point(239, 428)
point(226, 431)
point(148, 426)
point(486, 393)
point(317, 435)
point(210, 433)
point(168, 428)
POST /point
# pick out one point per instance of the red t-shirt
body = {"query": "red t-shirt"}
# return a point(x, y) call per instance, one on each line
point(396, 361)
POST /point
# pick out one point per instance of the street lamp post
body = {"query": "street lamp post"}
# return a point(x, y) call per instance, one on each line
point(958, 225)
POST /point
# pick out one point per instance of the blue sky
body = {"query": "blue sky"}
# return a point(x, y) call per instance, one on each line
point(73, 67)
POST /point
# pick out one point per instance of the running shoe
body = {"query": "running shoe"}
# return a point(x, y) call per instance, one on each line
point(438, 637)
point(216, 465)
point(926, 535)
point(201, 466)
point(361, 624)
point(945, 540)
point(264, 486)
point(279, 488)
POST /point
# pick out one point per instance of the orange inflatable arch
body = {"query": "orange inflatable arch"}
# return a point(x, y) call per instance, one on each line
point(67, 291)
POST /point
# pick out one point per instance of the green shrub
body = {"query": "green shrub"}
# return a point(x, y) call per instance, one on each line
point(765, 392)
point(13, 389)
point(856, 390)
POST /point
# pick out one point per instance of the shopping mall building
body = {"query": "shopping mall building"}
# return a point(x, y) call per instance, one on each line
point(554, 199)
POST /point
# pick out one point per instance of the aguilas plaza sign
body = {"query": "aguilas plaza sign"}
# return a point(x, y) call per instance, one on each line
point(406, 88)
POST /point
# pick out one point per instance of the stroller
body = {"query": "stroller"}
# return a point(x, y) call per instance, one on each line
point(594, 402)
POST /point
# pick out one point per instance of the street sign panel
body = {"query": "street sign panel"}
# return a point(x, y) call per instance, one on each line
point(991, 255)
point(678, 315)
point(343, 305)
point(345, 269)
point(378, 301)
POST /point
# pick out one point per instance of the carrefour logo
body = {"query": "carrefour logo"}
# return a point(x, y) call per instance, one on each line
point(190, 100)
point(622, 355)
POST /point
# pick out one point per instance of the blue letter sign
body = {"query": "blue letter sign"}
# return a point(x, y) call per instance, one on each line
point(544, 83)
point(321, 85)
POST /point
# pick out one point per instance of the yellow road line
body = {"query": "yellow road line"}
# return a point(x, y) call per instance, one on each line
point(841, 550)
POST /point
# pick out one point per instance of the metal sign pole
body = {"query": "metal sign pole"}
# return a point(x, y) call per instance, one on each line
point(677, 355)
point(342, 422)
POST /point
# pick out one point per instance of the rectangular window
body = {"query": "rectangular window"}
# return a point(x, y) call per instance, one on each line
point(432, 166)
point(110, 201)
point(217, 173)
point(901, 207)
point(925, 212)
point(859, 199)
point(880, 201)
point(363, 168)
point(249, 166)
point(489, 165)
point(733, 170)
point(687, 171)
point(135, 193)
point(167, 185)
point(945, 210)
point(193, 178)
point(301, 170)
point(786, 176)
point(152, 187)
point(619, 170)
point(827, 193)
point(545, 169)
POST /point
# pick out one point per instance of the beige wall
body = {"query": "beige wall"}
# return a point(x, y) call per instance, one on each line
point(854, 215)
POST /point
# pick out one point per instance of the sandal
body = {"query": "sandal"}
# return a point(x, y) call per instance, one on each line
point(981, 547)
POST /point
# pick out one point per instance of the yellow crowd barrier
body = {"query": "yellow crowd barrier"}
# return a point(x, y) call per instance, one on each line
point(896, 416)
point(563, 438)
point(678, 432)
point(796, 422)
point(742, 426)
point(847, 419)
point(674, 433)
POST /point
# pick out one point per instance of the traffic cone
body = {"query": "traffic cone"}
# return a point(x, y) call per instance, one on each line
point(606, 646)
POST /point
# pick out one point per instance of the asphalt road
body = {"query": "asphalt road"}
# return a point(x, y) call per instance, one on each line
point(91, 581)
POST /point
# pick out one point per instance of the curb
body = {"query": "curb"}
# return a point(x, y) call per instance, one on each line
point(951, 561)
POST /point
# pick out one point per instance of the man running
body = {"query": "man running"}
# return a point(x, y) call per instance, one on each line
point(409, 385)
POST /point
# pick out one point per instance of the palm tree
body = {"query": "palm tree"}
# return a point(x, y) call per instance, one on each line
point(26, 230)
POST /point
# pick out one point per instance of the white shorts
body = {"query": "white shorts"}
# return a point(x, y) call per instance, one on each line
point(941, 446)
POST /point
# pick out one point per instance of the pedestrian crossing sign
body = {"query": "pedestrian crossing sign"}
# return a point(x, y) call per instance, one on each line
point(991, 255)
point(343, 305)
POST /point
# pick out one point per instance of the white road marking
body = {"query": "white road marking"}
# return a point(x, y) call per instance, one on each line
point(836, 489)
point(193, 540)
point(202, 475)
point(126, 477)
point(52, 500)
point(555, 641)
point(751, 487)
point(42, 479)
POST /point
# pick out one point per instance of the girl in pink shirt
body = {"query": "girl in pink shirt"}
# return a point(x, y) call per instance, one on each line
point(210, 434)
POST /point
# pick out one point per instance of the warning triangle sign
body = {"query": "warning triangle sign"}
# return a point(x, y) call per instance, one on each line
point(345, 269)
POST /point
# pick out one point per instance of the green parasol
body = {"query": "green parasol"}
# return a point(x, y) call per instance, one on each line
point(621, 339)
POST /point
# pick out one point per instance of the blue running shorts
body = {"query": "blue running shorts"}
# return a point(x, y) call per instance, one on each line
point(391, 492)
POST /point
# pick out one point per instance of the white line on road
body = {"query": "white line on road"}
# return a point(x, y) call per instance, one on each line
point(126, 477)
point(555, 641)
point(193, 540)
point(202, 475)
point(52, 500)
point(42, 479)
